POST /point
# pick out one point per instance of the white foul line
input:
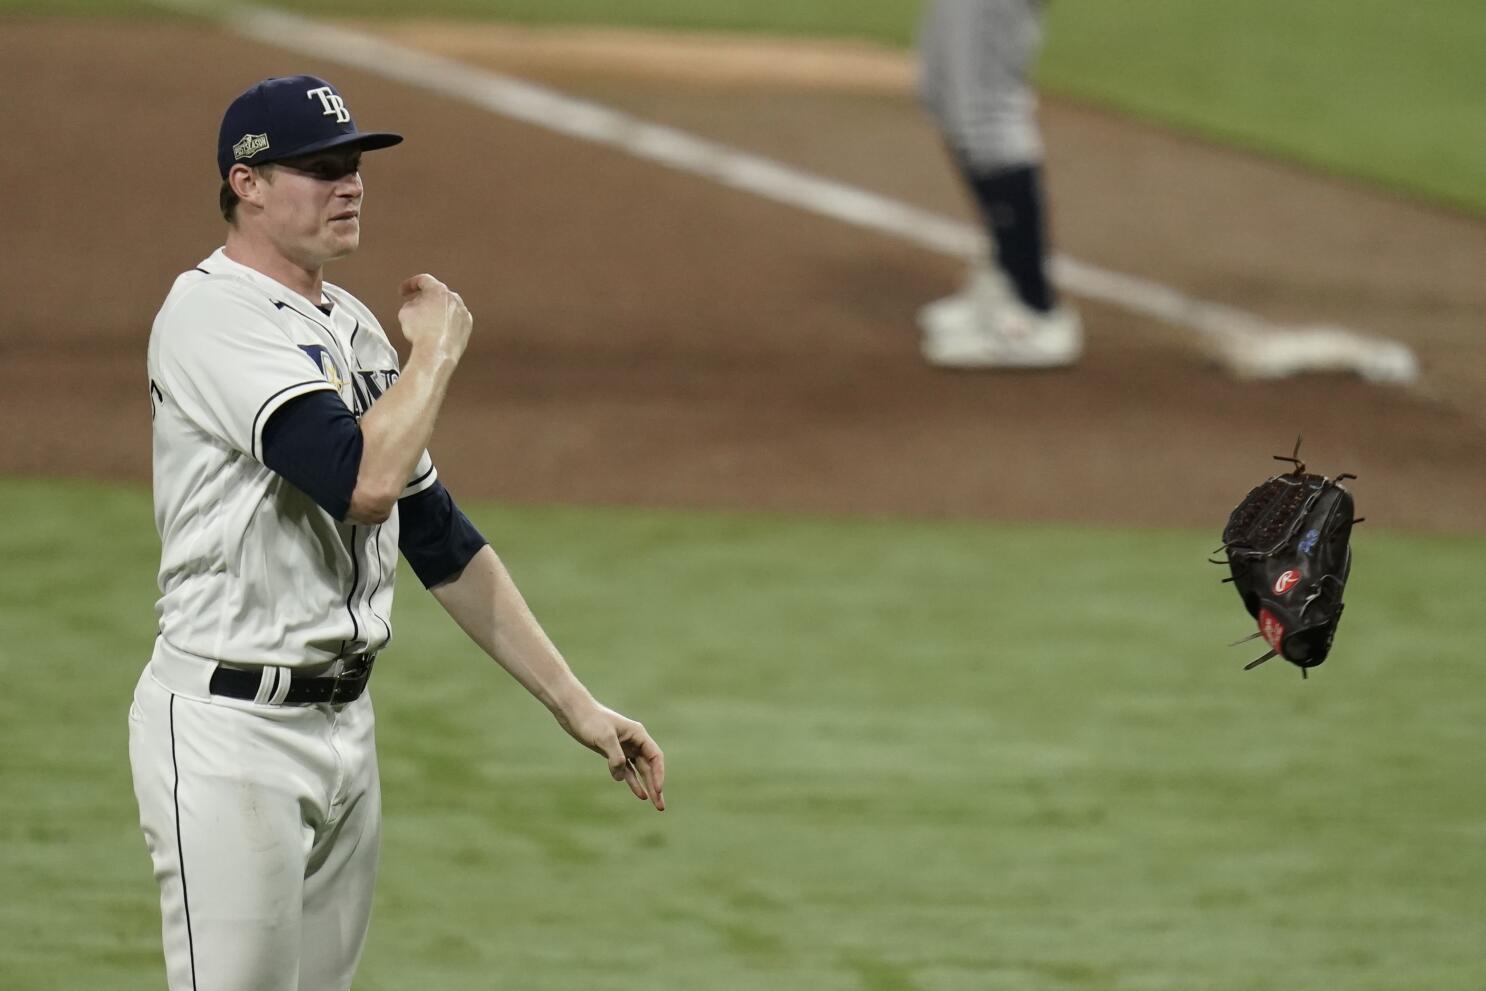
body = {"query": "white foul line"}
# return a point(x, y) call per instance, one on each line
point(1249, 344)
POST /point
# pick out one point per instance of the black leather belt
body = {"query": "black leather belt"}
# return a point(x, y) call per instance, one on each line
point(347, 686)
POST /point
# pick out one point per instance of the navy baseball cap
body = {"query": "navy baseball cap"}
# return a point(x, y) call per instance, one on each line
point(287, 116)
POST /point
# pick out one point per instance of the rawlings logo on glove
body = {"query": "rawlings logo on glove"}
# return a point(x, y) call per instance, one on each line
point(1288, 546)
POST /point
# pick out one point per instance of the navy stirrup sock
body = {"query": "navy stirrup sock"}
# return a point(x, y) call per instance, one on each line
point(1011, 205)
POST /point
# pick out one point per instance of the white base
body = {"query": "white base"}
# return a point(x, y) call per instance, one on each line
point(1259, 354)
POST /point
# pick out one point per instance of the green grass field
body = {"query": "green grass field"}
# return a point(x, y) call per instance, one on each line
point(1388, 92)
point(905, 756)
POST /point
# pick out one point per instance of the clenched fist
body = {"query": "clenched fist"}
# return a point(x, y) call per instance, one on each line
point(434, 315)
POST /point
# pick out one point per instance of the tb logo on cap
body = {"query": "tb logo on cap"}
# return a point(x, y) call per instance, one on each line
point(332, 102)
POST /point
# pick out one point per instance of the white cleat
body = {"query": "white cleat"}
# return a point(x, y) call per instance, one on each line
point(985, 291)
point(1008, 335)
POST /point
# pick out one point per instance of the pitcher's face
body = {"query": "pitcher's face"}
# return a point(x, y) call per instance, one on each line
point(312, 206)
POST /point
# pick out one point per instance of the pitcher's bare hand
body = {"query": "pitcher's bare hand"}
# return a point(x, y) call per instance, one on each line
point(633, 756)
point(434, 315)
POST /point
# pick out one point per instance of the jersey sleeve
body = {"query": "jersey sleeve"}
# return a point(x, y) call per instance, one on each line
point(425, 476)
point(226, 362)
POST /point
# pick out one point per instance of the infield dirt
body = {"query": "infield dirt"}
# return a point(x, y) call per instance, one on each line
point(645, 337)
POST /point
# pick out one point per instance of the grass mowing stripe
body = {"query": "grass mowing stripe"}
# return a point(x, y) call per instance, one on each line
point(882, 20)
point(1372, 88)
point(904, 755)
point(134, 9)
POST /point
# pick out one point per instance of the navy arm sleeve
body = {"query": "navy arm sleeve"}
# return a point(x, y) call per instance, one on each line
point(435, 536)
point(313, 442)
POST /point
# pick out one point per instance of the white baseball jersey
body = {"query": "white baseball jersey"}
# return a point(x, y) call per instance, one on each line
point(252, 570)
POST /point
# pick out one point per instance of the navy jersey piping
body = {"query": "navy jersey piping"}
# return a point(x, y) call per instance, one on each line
point(180, 853)
point(373, 589)
point(317, 322)
point(351, 592)
point(335, 302)
point(419, 478)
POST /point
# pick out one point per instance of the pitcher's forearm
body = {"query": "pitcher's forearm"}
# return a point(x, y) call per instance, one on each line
point(486, 604)
point(397, 429)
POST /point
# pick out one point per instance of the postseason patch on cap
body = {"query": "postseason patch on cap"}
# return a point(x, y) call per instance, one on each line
point(250, 145)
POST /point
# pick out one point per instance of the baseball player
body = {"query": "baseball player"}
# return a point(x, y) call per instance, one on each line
point(290, 469)
point(975, 61)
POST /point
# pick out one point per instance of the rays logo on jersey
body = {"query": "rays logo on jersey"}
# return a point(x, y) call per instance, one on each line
point(326, 363)
point(368, 384)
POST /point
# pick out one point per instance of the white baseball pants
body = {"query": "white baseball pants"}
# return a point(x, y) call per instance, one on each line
point(975, 65)
point(262, 822)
